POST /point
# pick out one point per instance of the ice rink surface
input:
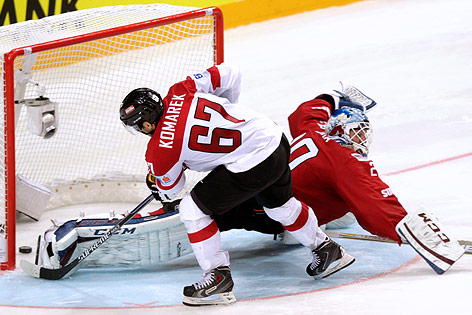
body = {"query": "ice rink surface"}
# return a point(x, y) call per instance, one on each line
point(414, 58)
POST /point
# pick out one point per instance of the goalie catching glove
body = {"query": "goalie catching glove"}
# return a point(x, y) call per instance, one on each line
point(350, 97)
point(147, 239)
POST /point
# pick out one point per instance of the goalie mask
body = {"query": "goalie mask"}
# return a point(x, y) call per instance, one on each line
point(141, 105)
point(350, 127)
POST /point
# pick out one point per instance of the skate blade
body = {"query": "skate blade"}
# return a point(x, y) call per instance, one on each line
point(342, 263)
point(217, 299)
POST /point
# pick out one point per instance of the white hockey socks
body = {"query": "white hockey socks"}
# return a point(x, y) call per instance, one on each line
point(204, 236)
point(300, 220)
point(429, 238)
point(206, 245)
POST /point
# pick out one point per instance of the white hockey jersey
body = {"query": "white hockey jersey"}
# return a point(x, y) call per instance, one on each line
point(203, 126)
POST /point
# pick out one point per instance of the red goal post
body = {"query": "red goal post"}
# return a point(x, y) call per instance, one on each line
point(83, 65)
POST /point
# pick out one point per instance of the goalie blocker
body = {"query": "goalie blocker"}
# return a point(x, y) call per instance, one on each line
point(146, 239)
point(428, 237)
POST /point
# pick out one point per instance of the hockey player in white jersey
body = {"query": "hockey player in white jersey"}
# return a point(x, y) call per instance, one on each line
point(200, 126)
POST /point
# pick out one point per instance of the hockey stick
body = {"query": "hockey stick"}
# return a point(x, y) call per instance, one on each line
point(374, 238)
point(56, 274)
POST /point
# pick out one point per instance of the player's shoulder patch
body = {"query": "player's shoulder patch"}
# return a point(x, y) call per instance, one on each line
point(360, 157)
point(165, 179)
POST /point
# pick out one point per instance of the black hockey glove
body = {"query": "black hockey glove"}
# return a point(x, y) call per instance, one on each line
point(168, 206)
point(151, 183)
point(171, 206)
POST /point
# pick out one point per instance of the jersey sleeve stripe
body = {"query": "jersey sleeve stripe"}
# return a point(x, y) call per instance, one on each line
point(164, 188)
point(327, 109)
point(215, 77)
point(204, 234)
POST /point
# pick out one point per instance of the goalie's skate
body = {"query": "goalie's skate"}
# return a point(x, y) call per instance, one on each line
point(215, 288)
point(329, 257)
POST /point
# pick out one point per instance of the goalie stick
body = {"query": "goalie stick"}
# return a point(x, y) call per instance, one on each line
point(56, 274)
point(374, 238)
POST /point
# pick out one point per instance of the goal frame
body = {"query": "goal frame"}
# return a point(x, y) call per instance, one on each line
point(9, 98)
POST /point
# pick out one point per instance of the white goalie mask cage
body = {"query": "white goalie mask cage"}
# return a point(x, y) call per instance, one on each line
point(351, 128)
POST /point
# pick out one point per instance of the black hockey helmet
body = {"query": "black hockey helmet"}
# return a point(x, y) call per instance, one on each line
point(141, 105)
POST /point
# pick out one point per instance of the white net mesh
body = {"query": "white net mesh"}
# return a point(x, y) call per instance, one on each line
point(81, 22)
point(88, 81)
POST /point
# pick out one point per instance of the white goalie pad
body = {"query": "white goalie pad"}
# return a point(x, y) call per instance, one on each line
point(146, 240)
point(423, 231)
point(343, 222)
point(31, 198)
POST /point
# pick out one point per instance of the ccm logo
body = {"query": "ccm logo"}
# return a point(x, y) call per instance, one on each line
point(434, 227)
point(121, 231)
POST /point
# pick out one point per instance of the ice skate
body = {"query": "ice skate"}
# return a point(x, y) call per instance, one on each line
point(215, 288)
point(328, 258)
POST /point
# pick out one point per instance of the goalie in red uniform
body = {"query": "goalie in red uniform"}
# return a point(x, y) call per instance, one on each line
point(330, 168)
point(332, 174)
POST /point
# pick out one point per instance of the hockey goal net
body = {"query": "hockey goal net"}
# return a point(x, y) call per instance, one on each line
point(63, 79)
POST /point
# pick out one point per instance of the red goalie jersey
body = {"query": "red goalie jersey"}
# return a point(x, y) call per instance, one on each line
point(334, 180)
